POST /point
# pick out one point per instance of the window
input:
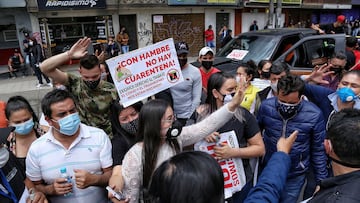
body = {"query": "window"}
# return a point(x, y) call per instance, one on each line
point(10, 35)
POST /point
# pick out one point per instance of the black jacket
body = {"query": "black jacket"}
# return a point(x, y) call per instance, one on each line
point(339, 189)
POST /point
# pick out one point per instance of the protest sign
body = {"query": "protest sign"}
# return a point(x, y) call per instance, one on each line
point(145, 72)
point(233, 169)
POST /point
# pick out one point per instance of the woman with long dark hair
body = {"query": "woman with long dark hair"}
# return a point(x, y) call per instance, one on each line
point(170, 182)
point(160, 140)
point(221, 87)
point(27, 129)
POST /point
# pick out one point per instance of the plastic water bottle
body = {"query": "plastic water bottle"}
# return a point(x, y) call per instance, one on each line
point(67, 177)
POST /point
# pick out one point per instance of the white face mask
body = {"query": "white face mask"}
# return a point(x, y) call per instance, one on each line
point(103, 76)
point(228, 98)
point(4, 156)
point(31, 43)
point(274, 86)
point(238, 79)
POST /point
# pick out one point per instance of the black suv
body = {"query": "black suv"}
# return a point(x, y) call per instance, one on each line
point(301, 49)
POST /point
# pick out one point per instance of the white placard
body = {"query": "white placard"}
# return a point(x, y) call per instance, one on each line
point(145, 72)
point(233, 169)
point(237, 54)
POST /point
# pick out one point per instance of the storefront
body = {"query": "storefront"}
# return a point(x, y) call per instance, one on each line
point(63, 32)
point(13, 21)
point(62, 23)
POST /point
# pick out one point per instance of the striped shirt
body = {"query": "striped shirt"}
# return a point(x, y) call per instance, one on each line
point(90, 151)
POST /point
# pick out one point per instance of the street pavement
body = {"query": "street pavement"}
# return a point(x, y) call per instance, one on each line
point(26, 86)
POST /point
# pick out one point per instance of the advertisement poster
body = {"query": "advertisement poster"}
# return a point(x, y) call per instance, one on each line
point(233, 169)
point(144, 72)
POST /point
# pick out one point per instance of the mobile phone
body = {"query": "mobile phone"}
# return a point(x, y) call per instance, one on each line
point(117, 195)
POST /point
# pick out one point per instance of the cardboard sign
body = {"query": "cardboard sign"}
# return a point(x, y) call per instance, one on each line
point(237, 54)
point(145, 72)
point(233, 169)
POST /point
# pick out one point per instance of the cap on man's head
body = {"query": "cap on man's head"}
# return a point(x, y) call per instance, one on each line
point(181, 48)
point(206, 50)
point(16, 50)
point(341, 18)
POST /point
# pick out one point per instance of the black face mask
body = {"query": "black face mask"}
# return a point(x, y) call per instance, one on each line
point(174, 130)
point(336, 70)
point(207, 64)
point(131, 127)
point(288, 110)
point(265, 75)
point(182, 62)
point(92, 84)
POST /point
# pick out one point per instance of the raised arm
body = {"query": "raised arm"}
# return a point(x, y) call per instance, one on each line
point(50, 66)
point(194, 133)
point(318, 74)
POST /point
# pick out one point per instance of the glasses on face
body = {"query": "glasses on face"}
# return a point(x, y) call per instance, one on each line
point(169, 119)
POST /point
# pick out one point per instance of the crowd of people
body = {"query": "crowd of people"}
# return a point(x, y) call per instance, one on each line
point(292, 133)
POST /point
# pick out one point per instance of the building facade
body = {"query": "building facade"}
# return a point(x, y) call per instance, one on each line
point(57, 24)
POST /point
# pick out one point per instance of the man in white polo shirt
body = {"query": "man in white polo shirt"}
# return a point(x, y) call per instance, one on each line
point(83, 150)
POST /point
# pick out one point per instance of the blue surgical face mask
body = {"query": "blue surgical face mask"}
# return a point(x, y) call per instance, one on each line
point(346, 94)
point(69, 124)
point(25, 127)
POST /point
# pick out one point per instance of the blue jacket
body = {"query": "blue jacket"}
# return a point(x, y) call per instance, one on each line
point(319, 96)
point(272, 181)
point(308, 146)
point(325, 99)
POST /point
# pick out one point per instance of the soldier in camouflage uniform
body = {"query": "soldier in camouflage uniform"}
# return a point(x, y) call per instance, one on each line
point(92, 95)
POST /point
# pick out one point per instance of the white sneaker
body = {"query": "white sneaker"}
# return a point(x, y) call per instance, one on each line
point(38, 85)
point(49, 84)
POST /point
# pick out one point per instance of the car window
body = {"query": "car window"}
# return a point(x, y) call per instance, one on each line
point(320, 50)
point(286, 44)
point(258, 47)
point(309, 54)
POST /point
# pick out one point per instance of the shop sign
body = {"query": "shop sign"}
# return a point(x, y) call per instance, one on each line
point(73, 4)
point(146, 71)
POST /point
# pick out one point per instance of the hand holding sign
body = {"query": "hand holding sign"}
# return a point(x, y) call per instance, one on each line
point(144, 72)
point(223, 151)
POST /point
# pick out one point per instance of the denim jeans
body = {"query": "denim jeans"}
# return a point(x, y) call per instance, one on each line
point(292, 189)
point(125, 48)
point(210, 44)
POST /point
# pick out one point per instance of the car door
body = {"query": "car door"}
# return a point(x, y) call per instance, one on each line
point(311, 51)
